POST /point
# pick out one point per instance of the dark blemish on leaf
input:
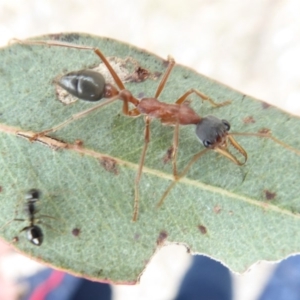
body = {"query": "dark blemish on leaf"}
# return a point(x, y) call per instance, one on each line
point(165, 63)
point(265, 105)
point(156, 75)
point(1, 189)
point(15, 239)
point(109, 165)
point(99, 272)
point(217, 209)
point(168, 155)
point(161, 238)
point(269, 195)
point(78, 143)
point(140, 74)
point(137, 236)
point(202, 229)
point(249, 120)
point(55, 37)
point(76, 232)
point(264, 131)
point(70, 38)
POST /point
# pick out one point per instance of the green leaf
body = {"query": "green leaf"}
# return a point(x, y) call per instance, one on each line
point(86, 170)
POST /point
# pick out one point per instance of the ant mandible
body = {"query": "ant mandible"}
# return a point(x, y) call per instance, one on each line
point(33, 232)
point(89, 85)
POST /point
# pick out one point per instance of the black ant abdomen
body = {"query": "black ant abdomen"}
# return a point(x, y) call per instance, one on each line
point(86, 85)
point(34, 235)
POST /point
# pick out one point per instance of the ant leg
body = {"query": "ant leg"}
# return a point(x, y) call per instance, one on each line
point(268, 135)
point(139, 173)
point(184, 172)
point(165, 77)
point(179, 101)
point(97, 51)
point(45, 224)
point(7, 223)
point(117, 80)
point(203, 97)
point(175, 150)
point(76, 117)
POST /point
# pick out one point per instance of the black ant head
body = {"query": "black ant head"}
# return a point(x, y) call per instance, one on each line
point(33, 195)
point(35, 235)
point(212, 131)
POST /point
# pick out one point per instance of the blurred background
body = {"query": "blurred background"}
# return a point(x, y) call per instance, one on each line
point(251, 45)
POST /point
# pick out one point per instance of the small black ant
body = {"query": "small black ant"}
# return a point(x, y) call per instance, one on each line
point(34, 233)
point(89, 85)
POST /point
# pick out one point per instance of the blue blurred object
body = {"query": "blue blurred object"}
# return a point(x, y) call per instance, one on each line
point(206, 279)
point(56, 285)
point(284, 284)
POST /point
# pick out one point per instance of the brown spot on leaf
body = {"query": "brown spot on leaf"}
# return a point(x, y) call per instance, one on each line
point(202, 229)
point(269, 195)
point(168, 155)
point(249, 120)
point(264, 131)
point(1, 189)
point(109, 165)
point(76, 232)
point(140, 74)
point(155, 75)
point(137, 236)
point(265, 105)
point(78, 143)
point(15, 239)
point(217, 209)
point(165, 63)
point(141, 95)
point(161, 238)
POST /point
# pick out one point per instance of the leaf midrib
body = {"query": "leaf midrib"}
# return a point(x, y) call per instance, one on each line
point(55, 144)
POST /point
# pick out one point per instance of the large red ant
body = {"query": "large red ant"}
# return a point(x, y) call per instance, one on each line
point(89, 85)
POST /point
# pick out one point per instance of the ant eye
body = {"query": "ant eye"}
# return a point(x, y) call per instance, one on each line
point(227, 125)
point(207, 143)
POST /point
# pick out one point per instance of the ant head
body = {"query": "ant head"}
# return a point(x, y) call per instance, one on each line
point(35, 235)
point(211, 131)
point(33, 195)
point(86, 85)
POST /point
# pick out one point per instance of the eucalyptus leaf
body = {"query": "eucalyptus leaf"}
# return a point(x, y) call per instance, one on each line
point(86, 170)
